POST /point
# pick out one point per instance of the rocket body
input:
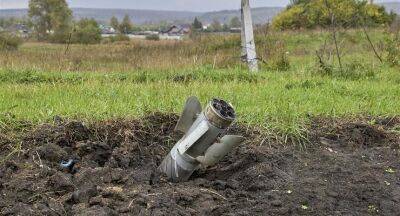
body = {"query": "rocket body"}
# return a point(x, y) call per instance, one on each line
point(188, 153)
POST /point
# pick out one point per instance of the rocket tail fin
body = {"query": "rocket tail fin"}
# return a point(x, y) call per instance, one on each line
point(189, 114)
point(217, 151)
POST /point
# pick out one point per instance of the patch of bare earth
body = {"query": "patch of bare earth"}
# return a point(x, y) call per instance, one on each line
point(352, 167)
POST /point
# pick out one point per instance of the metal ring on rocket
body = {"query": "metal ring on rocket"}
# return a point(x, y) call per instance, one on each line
point(220, 113)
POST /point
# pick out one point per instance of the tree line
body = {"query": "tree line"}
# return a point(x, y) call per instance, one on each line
point(216, 25)
point(52, 20)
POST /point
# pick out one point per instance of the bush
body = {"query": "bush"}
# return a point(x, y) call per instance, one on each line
point(118, 37)
point(395, 27)
point(278, 57)
point(59, 36)
point(9, 42)
point(273, 51)
point(289, 19)
point(87, 31)
point(153, 37)
point(392, 46)
point(280, 62)
point(315, 13)
point(351, 71)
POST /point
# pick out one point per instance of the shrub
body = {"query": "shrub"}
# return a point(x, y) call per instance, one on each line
point(280, 62)
point(9, 42)
point(87, 31)
point(395, 27)
point(351, 71)
point(315, 13)
point(275, 52)
point(59, 36)
point(154, 37)
point(118, 37)
point(288, 19)
point(392, 46)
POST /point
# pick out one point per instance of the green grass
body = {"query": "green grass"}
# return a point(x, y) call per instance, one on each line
point(136, 78)
point(278, 101)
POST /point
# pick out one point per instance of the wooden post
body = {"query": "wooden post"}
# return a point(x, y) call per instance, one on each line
point(249, 54)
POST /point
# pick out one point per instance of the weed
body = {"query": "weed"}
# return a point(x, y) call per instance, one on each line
point(9, 42)
point(393, 49)
point(352, 71)
point(35, 77)
point(283, 51)
point(116, 38)
point(154, 37)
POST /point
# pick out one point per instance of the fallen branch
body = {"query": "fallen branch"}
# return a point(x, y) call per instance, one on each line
point(213, 192)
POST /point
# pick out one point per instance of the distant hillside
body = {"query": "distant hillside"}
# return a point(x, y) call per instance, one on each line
point(104, 15)
point(260, 15)
point(17, 13)
point(392, 6)
point(137, 16)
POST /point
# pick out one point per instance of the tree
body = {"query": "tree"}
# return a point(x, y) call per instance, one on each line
point(216, 26)
point(50, 17)
point(235, 22)
point(225, 27)
point(87, 31)
point(196, 25)
point(114, 23)
point(316, 13)
point(126, 25)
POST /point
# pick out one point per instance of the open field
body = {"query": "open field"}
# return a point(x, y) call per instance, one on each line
point(273, 100)
point(213, 51)
point(317, 140)
point(135, 78)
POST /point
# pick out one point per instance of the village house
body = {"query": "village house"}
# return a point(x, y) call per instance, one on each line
point(176, 30)
point(107, 29)
point(235, 30)
point(19, 29)
point(206, 26)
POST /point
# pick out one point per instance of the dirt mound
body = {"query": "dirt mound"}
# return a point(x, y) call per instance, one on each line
point(353, 168)
point(365, 133)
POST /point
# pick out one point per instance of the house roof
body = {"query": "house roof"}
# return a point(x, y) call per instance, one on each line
point(18, 27)
point(177, 29)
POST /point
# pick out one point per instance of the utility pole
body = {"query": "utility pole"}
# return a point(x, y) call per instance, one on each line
point(249, 54)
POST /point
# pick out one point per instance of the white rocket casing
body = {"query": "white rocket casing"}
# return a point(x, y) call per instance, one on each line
point(199, 146)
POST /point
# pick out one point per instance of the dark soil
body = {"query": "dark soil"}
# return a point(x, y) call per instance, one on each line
point(349, 168)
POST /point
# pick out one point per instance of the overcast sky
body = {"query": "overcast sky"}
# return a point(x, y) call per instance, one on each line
point(190, 5)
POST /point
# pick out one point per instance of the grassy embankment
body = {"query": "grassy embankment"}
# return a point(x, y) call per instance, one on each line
point(131, 79)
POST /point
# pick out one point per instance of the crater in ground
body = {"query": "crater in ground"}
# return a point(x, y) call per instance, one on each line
point(351, 167)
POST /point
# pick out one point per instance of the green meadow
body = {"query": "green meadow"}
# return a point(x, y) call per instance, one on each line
point(132, 79)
